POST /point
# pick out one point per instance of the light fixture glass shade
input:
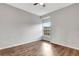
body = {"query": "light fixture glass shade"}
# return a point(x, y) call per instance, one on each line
point(41, 3)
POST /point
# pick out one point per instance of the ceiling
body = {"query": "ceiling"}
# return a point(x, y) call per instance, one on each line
point(39, 10)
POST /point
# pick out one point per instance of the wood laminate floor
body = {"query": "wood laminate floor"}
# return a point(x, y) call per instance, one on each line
point(39, 48)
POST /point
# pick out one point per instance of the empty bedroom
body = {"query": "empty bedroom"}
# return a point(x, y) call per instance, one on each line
point(39, 29)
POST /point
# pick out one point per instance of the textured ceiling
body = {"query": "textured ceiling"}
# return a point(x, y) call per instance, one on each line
point(39, 10)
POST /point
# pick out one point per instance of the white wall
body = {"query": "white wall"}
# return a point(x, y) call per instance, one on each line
point(65, 26)
point(18, 27)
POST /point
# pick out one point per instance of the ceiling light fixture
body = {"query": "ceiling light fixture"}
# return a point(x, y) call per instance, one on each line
point(41, 4)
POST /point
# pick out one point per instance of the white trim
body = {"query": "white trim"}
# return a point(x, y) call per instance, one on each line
point(47, 17)
point(14, 45)
point(63, 44)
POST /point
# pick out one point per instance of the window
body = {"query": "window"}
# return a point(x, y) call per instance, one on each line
point(46, 26)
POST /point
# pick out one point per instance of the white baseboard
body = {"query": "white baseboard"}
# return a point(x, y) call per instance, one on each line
point(14, 45)
point(62, 44)
point(55, 42)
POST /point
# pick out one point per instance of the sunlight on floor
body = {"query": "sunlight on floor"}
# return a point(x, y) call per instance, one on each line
point(47, 49)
